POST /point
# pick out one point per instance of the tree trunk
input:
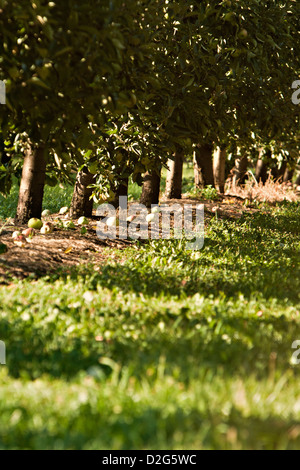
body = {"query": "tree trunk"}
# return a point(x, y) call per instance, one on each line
point(288, 175)
point(261, 174)
point(151, 187)
point(122, 190)
point(82, 204)
point(174, 176)
point(203, 166)
point(297, 182)
point(278, 173)
point(240, 170)
point(32, 185)
point(219, 169)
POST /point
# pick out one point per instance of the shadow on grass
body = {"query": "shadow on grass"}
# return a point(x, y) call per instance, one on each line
point(236, 262)
point(213, 338)
point(154, 427)
point(236, 345)
point(259, 280)
point(254, 270)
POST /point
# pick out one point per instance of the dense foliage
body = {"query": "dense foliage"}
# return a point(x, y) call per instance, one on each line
point(115, 87)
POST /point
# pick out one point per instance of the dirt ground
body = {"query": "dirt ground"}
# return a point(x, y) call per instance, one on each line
point(62, 249)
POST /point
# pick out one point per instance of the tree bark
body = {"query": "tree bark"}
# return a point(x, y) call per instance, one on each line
point(82, 204)
point(174, 175)
point(219, 169)
point(261, 174)
point(288, 174)
point(240, 170)
point(31, 192)
point(151, 187)
point(278, 173)
point(203, 166)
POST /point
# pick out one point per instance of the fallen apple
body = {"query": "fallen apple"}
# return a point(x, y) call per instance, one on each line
point(64, 210)
point(112, 221)
point(150, 217)
point(35, 223)
point(46, 213)
point(155, 210)
point(20, 241)
point(83, 221)
point(16, 235)
point(29, 233)
point(47, 228)
point(69, 225)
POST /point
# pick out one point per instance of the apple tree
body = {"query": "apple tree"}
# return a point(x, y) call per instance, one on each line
point(58, 61)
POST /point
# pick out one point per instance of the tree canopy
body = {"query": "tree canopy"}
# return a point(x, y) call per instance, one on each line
point(109, 85)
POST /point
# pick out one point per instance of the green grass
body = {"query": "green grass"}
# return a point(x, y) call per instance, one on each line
point(54, 199)
point(162, 348)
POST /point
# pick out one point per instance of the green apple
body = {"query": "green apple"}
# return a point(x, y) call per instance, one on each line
point(230, 16)
point(46, 213)
point(35, 223)
point(243, 34)
point(83, 221)
point(69, 225)
point(94, 168)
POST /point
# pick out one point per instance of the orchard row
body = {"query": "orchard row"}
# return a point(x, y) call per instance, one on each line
point(108, 90)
